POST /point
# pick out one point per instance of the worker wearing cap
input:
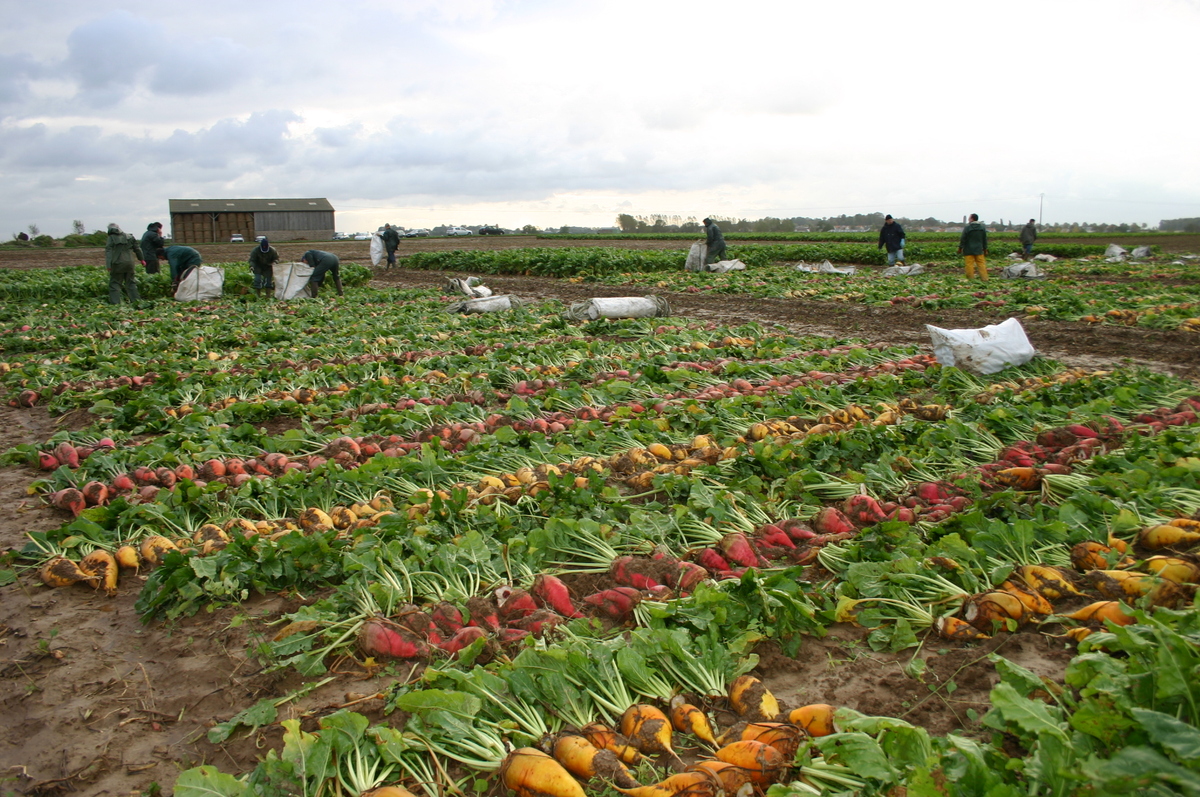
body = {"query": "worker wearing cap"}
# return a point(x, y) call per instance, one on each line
point(715, 241)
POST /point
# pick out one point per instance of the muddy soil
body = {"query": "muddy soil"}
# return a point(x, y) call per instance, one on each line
point(98, 703)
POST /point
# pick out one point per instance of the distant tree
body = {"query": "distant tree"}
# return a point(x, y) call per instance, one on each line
point(77, 227)
point(626, 222)
point(565, 230)
point(529, 229)
point(34, 231)
point(43, 240)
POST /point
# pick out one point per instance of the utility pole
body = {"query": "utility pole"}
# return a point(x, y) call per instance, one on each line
point(1041, 197)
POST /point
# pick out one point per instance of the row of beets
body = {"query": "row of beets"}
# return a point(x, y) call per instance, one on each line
point(508, 615)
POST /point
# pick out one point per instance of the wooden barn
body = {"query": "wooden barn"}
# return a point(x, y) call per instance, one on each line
point(198, 221)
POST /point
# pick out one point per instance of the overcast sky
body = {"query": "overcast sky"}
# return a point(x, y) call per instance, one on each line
point(552, 112)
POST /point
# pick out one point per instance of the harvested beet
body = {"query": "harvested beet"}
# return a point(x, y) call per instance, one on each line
point(831, 521)
point(483, 613)
point(550, 591)
point(447, 618)
point(383, 639)
point(617, 603)
point(514, 604)
point(462, 638)
point(739, 550)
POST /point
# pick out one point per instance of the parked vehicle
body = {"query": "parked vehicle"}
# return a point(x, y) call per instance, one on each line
point(237, 239)
point(362, 236)
point(490, 229)
point(458, 231)
point(341, 236)
point(418, 233)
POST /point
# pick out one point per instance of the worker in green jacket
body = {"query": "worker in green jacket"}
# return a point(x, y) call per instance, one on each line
point(121, 254)
point(973, 246)
point(262, 265)
point(152, 241)
point(323, 263)
point(391, 240)
point(715, 240)
point(181, 259)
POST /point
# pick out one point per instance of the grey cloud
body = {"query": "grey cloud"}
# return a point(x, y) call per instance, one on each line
point(201, 68)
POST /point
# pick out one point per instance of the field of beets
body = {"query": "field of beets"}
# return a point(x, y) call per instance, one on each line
point(554, 547)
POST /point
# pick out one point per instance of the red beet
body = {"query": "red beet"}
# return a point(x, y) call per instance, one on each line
point(47, 461)
point(447, 618)
point(483, 613)
point(797, 529)
point(462, 638)
point(123, 484)
point(65, 453)
point(690, 574)
point(617, 603)
point(713, 561)
point(552, 592)
point(514, 604)
point(627, 576)
point(933, 492)
point(166, 477)
point(1081, 431)
point(70, 499)
point(831, 521)
point(383, 640)
point(737, 547)
point(863, 510)
point(95, 493)
point(903, 514)
point(510, 635)
point(538, 622)
point(771, 534)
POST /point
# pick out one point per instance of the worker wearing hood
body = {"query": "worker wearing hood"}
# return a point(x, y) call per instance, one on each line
point(262, 264)
point(121, 254)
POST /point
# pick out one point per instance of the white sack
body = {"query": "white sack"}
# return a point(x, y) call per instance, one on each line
point(696, 257)
point(1045, 258)
point(1141, 251)
point(1115, 251)
point(725, 266)
point(487, 304)
point(376, 249)
point(619, 307)
point(1023, 271)
point(825, 268)
point(471, 287)
point(200, 284)
point(904, 271)
point(291, 280)
point(982, 351)
point(1013, 255)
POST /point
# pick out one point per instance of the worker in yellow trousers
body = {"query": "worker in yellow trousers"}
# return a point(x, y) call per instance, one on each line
point(973, 247)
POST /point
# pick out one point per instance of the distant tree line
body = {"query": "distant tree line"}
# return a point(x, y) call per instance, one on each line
point(1179, 225)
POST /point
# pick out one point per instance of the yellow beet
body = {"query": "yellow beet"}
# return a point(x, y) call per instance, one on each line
point(686, 718)
point(606, 738)
point(1100, 611)
point(314, 520)
point(1167, 535)
point(762, 762)
point(103, 567)
point(751, 699)
point(692, 784)
point(1181, 571)
point(62, 572)
point(155, 547)
point(531, 773)
point(127, 557)
point(648, 729)
point(584, 760)
point(815, 719)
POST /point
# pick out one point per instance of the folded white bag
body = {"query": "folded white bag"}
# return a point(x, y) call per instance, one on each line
point(982, 351)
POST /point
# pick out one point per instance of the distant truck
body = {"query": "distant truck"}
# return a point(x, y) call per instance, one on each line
point(489, 229)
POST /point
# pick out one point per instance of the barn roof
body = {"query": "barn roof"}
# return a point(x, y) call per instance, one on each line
point(247, 205)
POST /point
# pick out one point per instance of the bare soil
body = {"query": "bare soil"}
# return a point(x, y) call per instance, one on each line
point(98, 703)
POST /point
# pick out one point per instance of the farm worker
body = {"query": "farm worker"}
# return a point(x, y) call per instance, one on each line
point(121, 253)
point(262, 262)
point(391, 239)
point(152, 241)
point(715, 240)
point(974, 248)
point(1028, 236)
point(323, 263)
point(181, 259)
point(891, 235)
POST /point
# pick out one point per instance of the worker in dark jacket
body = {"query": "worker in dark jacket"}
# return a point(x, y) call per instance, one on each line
point(181, 260)
point(715, 241)
point(152, 241)
point(1028, 236)
point(391, 239)
point(262, 266)
point(323, 263)
point(891, 236)
point(973, 246)
point(121, 254)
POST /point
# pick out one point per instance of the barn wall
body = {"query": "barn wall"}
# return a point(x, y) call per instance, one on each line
point(294, 225)
point(200, 228)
